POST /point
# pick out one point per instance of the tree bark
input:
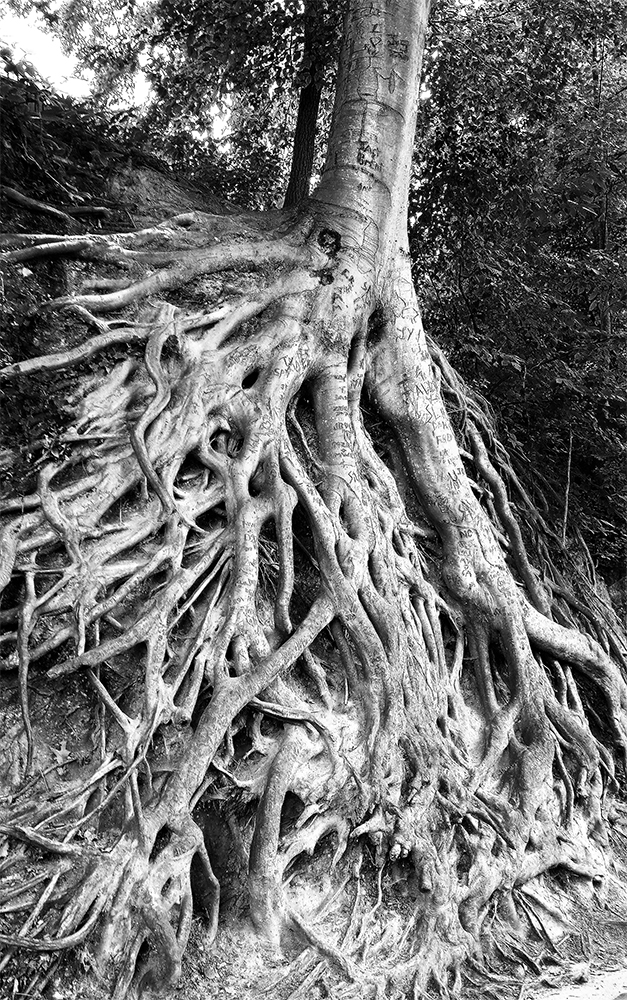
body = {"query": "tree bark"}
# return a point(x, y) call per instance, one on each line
point(304, 144)
point(273, 567)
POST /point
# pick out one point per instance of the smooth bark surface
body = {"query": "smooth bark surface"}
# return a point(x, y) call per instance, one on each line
point(277, 572)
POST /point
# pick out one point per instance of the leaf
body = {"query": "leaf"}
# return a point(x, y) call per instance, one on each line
point(62, 755)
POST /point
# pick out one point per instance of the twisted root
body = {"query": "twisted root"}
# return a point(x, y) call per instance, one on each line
point(264, 530)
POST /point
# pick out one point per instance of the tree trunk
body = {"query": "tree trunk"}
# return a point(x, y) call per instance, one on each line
point(304, 144)
point(270, 570)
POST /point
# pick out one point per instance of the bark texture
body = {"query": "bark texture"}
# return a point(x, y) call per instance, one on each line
point(304, 143)
point(276, 572)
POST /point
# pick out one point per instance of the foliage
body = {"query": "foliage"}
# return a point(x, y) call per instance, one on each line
point(519, 234)
point(223, 79)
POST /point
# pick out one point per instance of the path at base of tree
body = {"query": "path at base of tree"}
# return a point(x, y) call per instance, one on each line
point(604, 986)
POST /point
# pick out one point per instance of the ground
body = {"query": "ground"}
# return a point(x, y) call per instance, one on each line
point(581, 957)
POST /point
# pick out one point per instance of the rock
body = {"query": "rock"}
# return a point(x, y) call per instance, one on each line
point(580, 972)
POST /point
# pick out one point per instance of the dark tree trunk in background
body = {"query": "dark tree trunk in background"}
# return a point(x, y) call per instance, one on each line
point(304, 143)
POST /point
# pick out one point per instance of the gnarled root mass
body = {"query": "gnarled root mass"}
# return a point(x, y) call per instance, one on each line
point(271, 568)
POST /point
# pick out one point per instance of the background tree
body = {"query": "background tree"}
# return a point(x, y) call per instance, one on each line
point(519, 238)
point(274, 581)
point(228, 83)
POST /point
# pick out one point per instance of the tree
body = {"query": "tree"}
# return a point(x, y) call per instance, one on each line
point(278, 562)
point(266, 68)
point(524, 133)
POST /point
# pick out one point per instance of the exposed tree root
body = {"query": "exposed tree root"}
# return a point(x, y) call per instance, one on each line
point(224, 550)
point(280, 565)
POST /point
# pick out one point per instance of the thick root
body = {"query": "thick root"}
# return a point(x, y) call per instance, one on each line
point(268, 570)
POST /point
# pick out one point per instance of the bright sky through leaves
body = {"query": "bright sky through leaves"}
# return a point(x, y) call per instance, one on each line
point(27, 40)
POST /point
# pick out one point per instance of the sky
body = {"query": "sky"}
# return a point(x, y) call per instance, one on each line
point(27, 40)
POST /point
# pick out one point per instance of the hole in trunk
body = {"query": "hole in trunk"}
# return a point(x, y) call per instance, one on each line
point(301, 428)
point(257, 481)
point(500, 676)
point(162, 840)
point(292, 808)
point(464, 856)
point(242, 744)
point(377, 325)
point(192, 474)
point(142, 955)
point(227, 442)
point(220, 826)
point(202, 701)
point(212, 519)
